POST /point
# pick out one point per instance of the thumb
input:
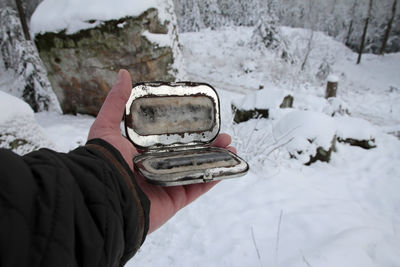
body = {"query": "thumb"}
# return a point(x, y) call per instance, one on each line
point(113, 108)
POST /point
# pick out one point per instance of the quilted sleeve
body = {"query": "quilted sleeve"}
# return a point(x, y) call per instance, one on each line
point(82, 208)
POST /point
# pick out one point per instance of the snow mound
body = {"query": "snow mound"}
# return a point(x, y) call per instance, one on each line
point(355, 128)
point(304, 132)
point(18, 128)
point(336, 106)
point(12, 107)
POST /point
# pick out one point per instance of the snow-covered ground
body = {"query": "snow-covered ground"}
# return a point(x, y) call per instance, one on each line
point(283, 213)
point(342, 213)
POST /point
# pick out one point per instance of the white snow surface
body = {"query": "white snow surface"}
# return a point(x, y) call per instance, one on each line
point(269, 98)
point(342, 213)
point(355, 128)
point(160, 39)
point(12, 106)
point(75, 15)
point(18, 126)
point(333, 78)
point(301, 129)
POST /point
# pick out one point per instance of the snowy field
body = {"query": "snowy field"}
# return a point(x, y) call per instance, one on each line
point(342, 213)
point(283, 213)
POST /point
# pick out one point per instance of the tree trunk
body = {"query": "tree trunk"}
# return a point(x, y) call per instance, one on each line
point(388, 28)
point(332, 86)
point(350, 31)
point(309, 47)
point(22, 18)
point(310, 40)
point(331, 89)
point(29, 7)
point(364, 32)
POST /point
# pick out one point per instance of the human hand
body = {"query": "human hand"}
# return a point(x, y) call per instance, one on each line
point(165, 201)
point(108, 121)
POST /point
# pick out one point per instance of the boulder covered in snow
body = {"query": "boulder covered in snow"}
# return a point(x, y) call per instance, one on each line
point(84, 48)
point(259, 104)
point(21, 70)
point(18, 128)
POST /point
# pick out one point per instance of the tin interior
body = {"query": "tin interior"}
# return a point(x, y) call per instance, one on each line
point(190, 166)
point(172, 114)
point(197, 159)
point(167, 115)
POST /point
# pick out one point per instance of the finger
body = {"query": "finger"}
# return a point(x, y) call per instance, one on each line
point(113, 108)
point(223, 140)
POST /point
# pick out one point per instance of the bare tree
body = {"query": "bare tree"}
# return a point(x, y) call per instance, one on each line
point(310, 39)
point(29, 7)
point(350, 30)
point(388, 28)
point(365, 31)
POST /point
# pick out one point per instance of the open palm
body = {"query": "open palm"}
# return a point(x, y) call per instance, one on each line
point(165, 201)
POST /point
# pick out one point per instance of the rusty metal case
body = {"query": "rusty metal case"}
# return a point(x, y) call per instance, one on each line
point(174, 125)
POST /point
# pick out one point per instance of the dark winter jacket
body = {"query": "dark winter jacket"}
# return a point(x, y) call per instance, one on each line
point(83, 208)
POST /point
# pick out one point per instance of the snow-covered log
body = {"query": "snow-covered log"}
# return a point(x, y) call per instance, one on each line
point(356, 132)
point(259, 104)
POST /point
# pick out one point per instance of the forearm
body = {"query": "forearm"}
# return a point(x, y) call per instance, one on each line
point(81, 208)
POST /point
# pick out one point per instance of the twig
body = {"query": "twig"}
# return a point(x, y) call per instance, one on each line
point(250, 139)
point(277, 236)
point(306, 262)
point(275, 148)
point(281, 138)
point(255, 245)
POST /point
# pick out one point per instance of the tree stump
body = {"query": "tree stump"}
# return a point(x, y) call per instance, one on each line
point(331, 87)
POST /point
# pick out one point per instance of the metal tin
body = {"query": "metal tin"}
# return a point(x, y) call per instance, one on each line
point(174, 124)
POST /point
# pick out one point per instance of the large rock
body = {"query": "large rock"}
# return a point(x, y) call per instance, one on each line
point(82, 66)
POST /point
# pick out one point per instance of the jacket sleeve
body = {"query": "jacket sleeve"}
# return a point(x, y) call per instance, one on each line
point(83, 208)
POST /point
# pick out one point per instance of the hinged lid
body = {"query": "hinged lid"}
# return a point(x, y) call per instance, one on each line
point(170, 115)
